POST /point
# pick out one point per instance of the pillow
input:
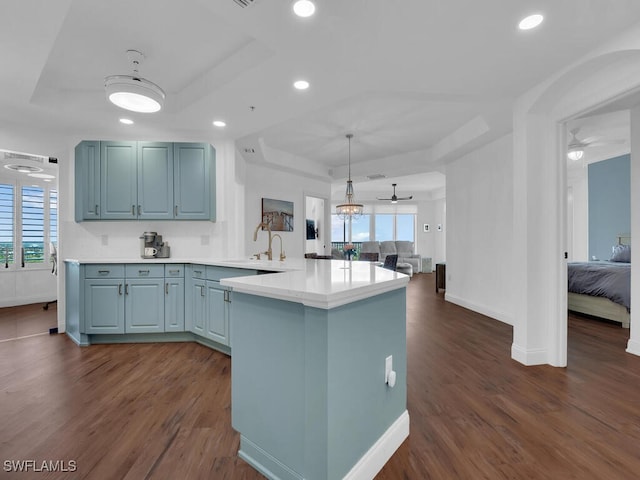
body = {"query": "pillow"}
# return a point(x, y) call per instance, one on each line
point(621, 253)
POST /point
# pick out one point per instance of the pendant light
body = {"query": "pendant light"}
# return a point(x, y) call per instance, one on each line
point(133, 92)
point(349, 209)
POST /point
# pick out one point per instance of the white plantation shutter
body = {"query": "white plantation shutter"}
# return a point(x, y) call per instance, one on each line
point(6, 224)
point(33, 224)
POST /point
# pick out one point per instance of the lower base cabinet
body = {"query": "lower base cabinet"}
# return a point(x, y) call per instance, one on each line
point(217, 325)
point(133, 298)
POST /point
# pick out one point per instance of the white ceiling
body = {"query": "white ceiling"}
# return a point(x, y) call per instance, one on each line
point(417, 82)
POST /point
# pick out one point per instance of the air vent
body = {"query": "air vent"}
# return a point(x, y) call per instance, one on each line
point(16, 156)
point(245, 3)
point(376, 176)
point(249, 150)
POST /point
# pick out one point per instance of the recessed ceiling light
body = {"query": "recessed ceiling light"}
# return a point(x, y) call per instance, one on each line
point(126, 121)
point(219, 123)
point(301, 84)
point(532, 21)
point(23, 168)
point(304, 8)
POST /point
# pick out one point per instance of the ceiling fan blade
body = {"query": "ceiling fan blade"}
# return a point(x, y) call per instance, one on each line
point(378, 198)
point(405, 198)
point(605, 142)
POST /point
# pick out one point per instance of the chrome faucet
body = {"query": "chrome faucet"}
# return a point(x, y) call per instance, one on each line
point(255, 238)
point(282, 255)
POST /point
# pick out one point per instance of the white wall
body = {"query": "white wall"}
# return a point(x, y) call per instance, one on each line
point(578, 214)
point(432, 243)
point(268, 183)
point(480, 230)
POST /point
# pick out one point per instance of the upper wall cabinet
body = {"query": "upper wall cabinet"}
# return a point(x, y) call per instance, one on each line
point(145, 180)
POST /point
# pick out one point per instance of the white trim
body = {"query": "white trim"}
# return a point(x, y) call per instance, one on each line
point(483, 309)
point(381, 451)
point(633, 347)
point(536, 356)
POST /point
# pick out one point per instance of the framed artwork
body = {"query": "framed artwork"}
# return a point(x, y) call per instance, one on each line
point(278, 214)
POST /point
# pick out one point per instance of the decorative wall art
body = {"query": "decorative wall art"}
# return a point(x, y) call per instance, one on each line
point(278, 214)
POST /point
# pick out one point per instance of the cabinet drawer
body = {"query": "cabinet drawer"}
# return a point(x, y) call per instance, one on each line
point(109, 270)
point(217, 273)
point(198, 271)
point(144, 270)
point(174, 270)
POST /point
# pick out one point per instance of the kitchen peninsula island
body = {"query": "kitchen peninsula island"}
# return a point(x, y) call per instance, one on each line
point(311, 396)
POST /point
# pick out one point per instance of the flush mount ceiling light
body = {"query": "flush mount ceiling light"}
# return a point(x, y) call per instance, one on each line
point(304, 8)
point(22, 168)
point(126, 121)
point(133, 92)
point(219, 123)
point(532, 21)
point(349, 209)
point(301, 84)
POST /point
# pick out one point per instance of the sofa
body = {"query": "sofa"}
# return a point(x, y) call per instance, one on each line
point(404, 249)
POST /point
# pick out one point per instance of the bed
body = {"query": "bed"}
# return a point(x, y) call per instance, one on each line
point(603, 288)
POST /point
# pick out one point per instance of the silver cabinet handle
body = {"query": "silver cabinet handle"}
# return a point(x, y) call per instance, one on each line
point(96, 209)
point(138, 210)
point(227, 296)
point(119, 289)
point(126, 289)
point(143, 272)
point(175, 211)
point(166, 288)
point(133, 209)
point(103, 272)
point(199, 272)
point(174, 272)
point(201, 290)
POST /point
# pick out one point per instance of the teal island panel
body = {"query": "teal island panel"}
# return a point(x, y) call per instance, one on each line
point(309, 396)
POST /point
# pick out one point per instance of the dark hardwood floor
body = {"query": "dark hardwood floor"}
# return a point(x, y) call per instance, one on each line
point(162, 411)
point(26, 320)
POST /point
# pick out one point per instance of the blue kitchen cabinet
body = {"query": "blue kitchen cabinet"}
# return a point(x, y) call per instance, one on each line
point(155, 181)
point(144, 305)
point(217, 320)
point(118, 180)
point(195, 299)
point(194, 181)
point(144, 298)
point(103, 299)
point(87, 181)
point(144, 180)
point(174, 303)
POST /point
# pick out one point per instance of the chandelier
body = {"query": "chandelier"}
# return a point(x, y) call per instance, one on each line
point(349, 209)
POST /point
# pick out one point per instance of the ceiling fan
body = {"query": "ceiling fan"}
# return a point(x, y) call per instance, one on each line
point(576, 147)
point(394, 198)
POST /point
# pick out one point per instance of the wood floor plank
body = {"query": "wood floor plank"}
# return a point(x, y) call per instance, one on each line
point(163, 411)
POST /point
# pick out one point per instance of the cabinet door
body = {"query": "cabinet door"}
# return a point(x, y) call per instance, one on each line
point(174, 305)
point(194, 175)
point(144, 305)
point(87, 181)
point(103, 305)
point(155, 180)
point(217, 313)
point(198, 307)
point(118, 180)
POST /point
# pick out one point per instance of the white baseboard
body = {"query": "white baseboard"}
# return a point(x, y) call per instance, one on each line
point(633, 347)
point(14, 302)
point(381, 451)
point(482, 309)
point(529, 357)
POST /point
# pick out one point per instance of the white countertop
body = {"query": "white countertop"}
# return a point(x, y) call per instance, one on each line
point(322, 283)
point(315, 283)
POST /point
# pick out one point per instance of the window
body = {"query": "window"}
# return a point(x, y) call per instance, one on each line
point(384, 228)
point(6, 224)
point(28, 223)
point(53, 217)
point(360, 229)
point(405, 227)
point(32, 225)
